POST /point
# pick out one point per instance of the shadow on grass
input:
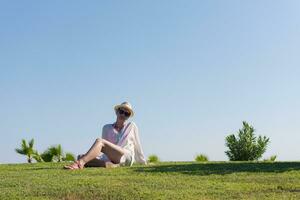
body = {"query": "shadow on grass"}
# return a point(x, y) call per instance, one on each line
point(42, 168)
point(221, 168)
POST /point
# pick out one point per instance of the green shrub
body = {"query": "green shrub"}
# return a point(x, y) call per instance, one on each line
point(201, 158)
point(47, 156)
point(246, 147)
point(153, 159)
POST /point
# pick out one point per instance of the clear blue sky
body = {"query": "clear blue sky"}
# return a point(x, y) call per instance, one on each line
point(193, 70)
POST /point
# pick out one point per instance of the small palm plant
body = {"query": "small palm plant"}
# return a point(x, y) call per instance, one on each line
point(56, 154)
point(201, 158)
point(69, 157)
point(37, 157)
point(271, 159)
point(153, 159)
point(27, 149)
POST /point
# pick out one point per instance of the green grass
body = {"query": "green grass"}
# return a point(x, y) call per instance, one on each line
point(168, 180)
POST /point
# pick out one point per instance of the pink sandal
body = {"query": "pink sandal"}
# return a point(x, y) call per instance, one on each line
point(76, 165)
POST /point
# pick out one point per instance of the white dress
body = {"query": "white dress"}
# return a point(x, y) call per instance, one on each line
point(128, 139)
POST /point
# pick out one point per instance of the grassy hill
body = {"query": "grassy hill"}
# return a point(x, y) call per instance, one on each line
point(167, 180)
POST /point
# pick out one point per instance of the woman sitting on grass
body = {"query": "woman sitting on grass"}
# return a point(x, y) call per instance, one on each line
point(119, 145)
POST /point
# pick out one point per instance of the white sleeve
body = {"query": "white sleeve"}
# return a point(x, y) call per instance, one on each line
point(129, 143)
point(104, 135)
point(139, 154)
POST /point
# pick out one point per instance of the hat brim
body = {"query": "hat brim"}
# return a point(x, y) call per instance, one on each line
point(125, 107)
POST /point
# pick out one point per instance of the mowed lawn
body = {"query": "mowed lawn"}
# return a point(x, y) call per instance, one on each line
point(166, 180)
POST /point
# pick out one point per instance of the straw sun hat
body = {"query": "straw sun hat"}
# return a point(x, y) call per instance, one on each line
point(126, 106)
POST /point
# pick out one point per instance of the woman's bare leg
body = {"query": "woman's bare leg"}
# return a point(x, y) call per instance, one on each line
point(93, 163)
point(98, 163)
point(112, 151)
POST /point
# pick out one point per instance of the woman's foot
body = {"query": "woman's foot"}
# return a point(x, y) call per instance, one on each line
point(76, 165)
